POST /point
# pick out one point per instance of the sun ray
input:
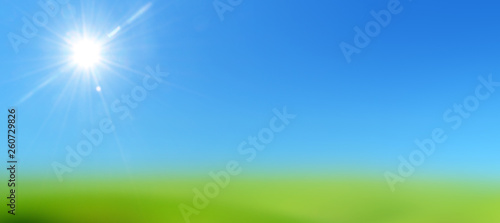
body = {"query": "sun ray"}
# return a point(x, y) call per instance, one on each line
point(54, 107)
point(37, 71)
point(38, 88)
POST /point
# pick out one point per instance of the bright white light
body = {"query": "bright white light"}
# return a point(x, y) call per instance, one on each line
point(98, 88)
point(86, 53)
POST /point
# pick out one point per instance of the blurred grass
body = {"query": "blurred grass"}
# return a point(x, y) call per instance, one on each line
point(256, 200)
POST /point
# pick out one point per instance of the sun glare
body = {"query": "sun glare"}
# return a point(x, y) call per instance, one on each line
point(86, 53)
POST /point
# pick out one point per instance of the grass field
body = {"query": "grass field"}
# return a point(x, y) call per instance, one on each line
point(256, 200)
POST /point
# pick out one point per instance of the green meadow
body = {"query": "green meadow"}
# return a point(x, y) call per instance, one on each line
point(256, 200)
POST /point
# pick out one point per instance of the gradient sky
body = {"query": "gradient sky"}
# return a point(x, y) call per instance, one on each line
point(227, 76)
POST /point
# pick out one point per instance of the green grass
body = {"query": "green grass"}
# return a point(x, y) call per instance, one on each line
point(256, 200)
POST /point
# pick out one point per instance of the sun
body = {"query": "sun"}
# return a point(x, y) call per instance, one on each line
point(86, 53)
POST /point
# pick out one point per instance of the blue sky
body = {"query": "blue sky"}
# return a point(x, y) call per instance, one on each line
point(227, 76)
